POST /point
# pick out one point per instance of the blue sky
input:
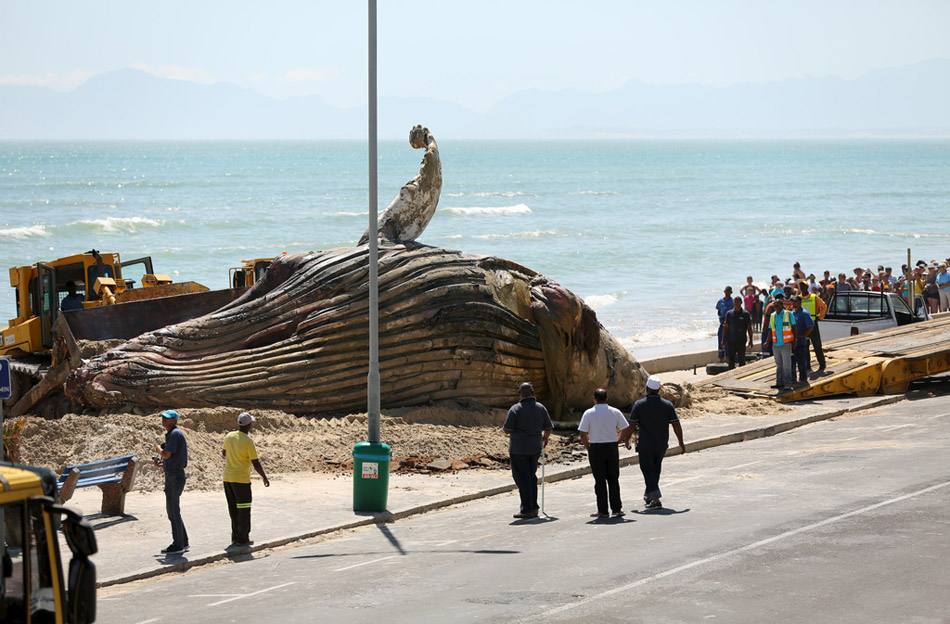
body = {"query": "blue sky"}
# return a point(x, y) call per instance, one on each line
point(473, 53)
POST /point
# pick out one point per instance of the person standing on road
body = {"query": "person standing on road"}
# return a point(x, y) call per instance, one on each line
point(736, 325)
point(723, 306)
point(817, 309)
point(528, 427)
point(803, 329)
point(173, 458)
point(599, 428)
point(239, 455)
point(782, 329)
point(650, 422)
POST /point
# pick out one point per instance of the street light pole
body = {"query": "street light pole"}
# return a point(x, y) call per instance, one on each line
point(371, 458)
point(372, 381)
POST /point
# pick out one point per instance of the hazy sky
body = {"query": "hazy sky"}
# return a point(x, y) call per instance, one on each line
point(473, 53)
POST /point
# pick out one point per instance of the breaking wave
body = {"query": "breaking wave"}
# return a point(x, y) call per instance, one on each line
point(20, 233)
point(489, 210)
point(111, 225)
point(533, 234)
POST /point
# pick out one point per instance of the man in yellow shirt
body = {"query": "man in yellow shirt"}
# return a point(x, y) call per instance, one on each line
point(239, 455)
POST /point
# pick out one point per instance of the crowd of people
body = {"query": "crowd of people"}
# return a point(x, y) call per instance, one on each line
point(788, 311)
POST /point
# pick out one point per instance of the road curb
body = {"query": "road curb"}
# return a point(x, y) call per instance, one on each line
point(571, 473)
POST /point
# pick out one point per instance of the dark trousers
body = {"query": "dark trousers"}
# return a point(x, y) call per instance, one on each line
point(721, 353)
point(239, 506)
point(604, 461)
point(650, 462)
point(815, 339)
point(174, 486)
point(524, 470)
point(800, 361)
point(736, 351)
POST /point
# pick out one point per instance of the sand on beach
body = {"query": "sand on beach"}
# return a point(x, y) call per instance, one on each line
point(468, 437)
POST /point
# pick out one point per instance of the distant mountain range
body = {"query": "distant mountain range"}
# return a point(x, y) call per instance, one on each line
point(130, 104)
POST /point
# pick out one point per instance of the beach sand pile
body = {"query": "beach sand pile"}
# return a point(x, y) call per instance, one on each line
point(466, 437)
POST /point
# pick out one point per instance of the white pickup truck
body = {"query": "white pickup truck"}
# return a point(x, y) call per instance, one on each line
point(858, 312)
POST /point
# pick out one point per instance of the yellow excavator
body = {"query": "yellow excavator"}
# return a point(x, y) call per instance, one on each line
point(89, 296)
point(33, 585)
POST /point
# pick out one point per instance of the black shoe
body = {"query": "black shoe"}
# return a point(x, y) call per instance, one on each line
point(599, 515)
point(646, 500)
point(617, 514)
point(655, 504)
point(174, 549)
point(526, 514)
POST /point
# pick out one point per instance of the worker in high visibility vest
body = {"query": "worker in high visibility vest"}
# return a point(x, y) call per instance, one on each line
point(782, 326)
point(817, 309)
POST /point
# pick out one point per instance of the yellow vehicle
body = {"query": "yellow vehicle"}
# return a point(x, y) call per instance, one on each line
point(33, 586)
point(50, 322)
point(249, 272)
point(42, 293)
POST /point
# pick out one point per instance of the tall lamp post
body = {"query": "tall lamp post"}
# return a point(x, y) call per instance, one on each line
point(371, 458)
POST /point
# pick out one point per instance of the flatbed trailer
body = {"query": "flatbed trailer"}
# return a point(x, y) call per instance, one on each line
point(885, 362)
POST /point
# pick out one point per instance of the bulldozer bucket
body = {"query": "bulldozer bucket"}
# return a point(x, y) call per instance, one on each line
point(131, 319)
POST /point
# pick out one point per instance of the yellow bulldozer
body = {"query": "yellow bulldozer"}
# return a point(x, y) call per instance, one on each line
point(90, 296)
point(249, 272)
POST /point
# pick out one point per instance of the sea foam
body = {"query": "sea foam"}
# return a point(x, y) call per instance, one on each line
point(21, 233)
point(488, 210)
point(112, 225)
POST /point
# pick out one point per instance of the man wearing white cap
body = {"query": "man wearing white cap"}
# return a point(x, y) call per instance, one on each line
point(650, 421)
point(239, 455)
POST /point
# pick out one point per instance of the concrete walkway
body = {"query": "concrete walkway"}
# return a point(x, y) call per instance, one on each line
point(300, 506)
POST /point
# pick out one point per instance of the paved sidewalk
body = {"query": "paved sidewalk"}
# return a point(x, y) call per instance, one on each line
point(302, 505)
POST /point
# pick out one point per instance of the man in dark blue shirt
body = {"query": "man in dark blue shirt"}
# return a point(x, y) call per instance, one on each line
point(528, 426)
point(651, 418)
point(723, 306)
point(736, 325)
point(804, 325)
point(173, 458)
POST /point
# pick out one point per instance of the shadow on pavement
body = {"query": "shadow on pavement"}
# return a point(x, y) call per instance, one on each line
point(666, 511)
point(392, 538)
point(537, 520)
point(610, 520)
point(102, 525)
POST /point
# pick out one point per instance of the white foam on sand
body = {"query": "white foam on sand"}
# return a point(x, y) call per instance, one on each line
point(488, 210)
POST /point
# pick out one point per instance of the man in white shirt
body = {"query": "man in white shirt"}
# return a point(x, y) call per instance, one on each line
point(599, 432)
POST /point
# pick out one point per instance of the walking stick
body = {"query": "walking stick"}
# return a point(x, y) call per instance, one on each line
point(543, 456)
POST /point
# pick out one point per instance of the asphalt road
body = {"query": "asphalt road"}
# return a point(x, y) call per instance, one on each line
point(840, 521)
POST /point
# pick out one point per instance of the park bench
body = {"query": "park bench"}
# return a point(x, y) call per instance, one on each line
point(113, 476)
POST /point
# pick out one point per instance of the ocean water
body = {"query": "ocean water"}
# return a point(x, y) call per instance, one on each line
point(647, 232)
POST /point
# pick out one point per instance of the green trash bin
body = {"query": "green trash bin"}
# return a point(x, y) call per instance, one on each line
point(370, 476)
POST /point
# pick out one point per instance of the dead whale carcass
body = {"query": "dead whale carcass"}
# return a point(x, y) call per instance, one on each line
point(452, 325)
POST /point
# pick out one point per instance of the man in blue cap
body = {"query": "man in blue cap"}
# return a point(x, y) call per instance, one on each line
point(173, 457)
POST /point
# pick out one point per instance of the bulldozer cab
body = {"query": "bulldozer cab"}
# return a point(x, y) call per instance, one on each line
point(43, 292)
point(249, 273)
point(33, 586)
